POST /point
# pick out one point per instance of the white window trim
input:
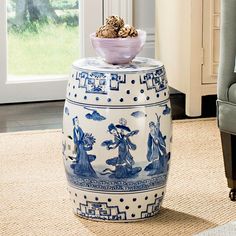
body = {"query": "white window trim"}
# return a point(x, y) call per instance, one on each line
point(3, 40)
point(122, 8)
point(88, 24)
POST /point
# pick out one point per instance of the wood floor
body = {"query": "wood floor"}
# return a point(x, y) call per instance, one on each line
point(31, 116)
point(48, 115)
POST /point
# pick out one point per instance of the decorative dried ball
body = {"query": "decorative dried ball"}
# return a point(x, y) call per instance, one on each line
point(106, 31)
point(115, 21)
point(127, 31)
point(133, 32)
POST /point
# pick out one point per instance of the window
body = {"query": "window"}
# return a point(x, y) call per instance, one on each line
point(41, 38)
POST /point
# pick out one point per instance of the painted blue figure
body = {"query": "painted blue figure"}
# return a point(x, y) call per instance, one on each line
point(84, 142)
point(124, 162)
point(156, 154)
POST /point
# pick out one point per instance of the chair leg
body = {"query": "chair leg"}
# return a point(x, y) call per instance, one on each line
point(232, 195)
point(229, 153)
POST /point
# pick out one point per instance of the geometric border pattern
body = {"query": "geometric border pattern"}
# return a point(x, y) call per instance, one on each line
point(155, 80)
point(99, 83)
point(100, 210)
point(152, 209)
point(117, 185)
point(102, 83)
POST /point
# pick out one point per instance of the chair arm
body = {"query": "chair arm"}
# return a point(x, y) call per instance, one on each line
point(227, 76)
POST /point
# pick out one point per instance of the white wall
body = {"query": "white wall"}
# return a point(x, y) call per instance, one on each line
point(144, 18)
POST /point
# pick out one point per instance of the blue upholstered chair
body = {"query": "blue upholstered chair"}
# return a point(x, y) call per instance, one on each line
point(226, 102)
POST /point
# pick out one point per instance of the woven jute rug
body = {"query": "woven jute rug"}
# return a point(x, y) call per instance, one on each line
point(34, 199)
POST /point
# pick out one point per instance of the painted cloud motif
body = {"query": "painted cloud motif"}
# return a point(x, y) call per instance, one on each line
point(138, 114)
point(167, 110)
point(95, 115)
point(67, 111)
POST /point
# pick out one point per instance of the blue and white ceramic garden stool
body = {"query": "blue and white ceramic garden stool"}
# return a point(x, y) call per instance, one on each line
point(116, 138)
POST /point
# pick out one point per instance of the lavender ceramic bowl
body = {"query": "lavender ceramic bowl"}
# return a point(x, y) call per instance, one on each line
point(118, 50)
